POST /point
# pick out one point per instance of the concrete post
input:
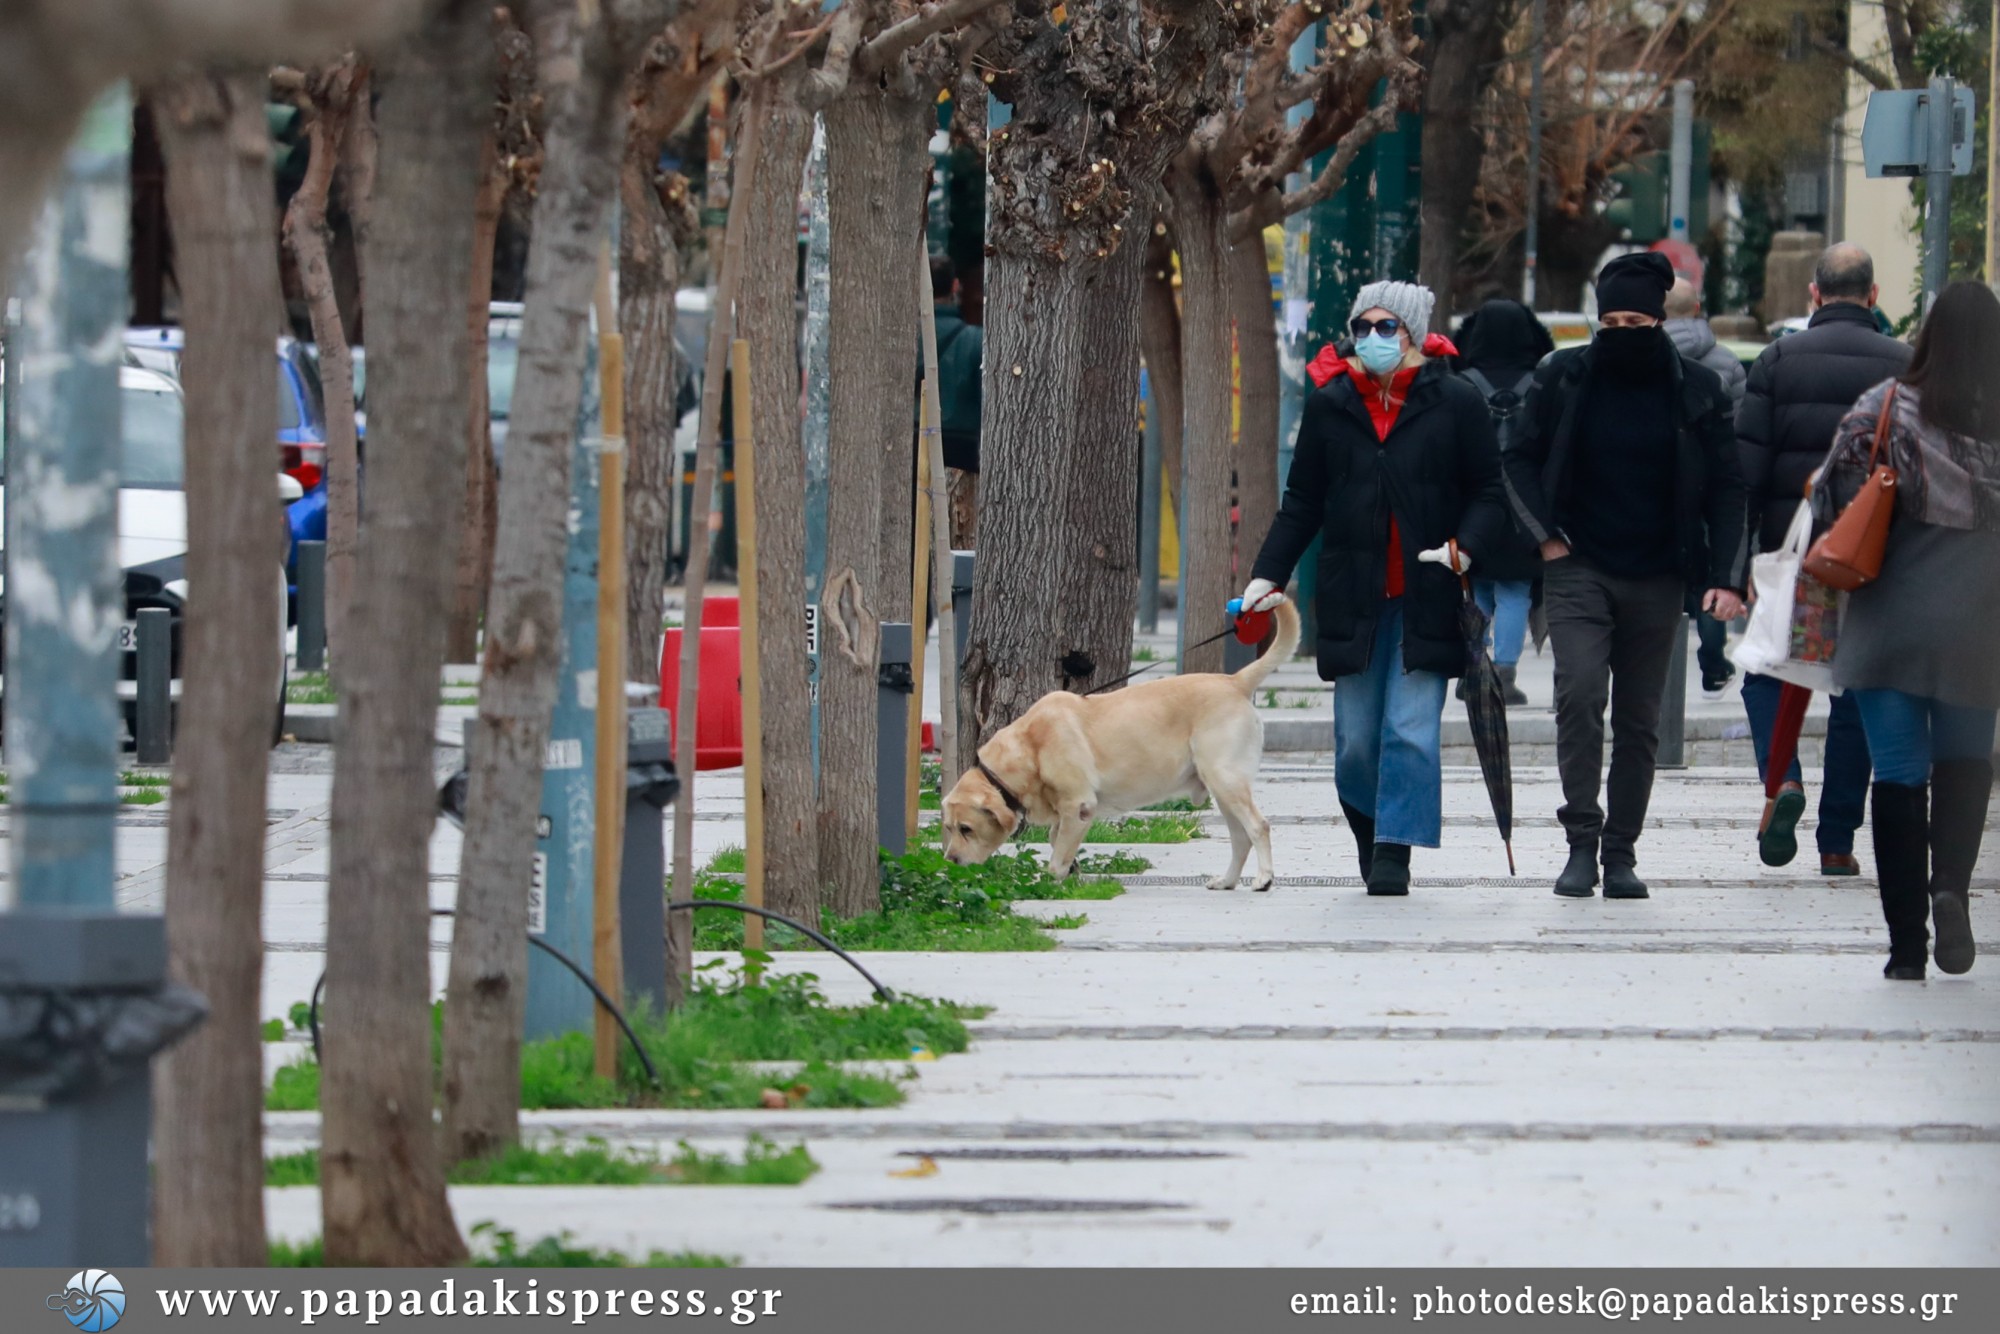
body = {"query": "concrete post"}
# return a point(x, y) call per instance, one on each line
point(312, 607)
point(961, 599)
point(152, 712)
point(892, 736)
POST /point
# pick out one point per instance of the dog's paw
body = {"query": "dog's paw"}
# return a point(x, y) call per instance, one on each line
point(1262, 884)
point(1222, 882)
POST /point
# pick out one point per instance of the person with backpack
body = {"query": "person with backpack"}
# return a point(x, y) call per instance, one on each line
point(1501, 343)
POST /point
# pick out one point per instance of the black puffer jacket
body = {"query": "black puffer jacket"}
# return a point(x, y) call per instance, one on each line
point(1708, 482)
point(1438, 472)
point(1800, 388)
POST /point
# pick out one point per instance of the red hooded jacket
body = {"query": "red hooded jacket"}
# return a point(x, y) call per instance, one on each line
point(1383, 409)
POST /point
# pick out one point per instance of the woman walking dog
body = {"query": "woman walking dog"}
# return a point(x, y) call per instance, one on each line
point(1395, 461)
point(1919, 645)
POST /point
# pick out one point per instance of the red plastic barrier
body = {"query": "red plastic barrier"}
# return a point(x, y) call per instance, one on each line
point(720, 611)
point(718, 732)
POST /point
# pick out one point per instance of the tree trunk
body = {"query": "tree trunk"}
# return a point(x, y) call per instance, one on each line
point(310, 238)
point(1467, 41)
point(584, 85)
point(208, 1120)
point(767, 316)
point(648, 275)
point(1257, 425)
point(1160, 342)
point(360, 157)
point(1201, 234)
point(874, 147)
point(473, 569)
point(382, 1193)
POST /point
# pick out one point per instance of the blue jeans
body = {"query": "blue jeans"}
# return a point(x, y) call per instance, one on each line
point(1387, 760)
point(1843, 797)
point(1506, 605)
point(1907, 734)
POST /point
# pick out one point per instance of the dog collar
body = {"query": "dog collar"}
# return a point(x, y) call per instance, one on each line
point(1014, 803)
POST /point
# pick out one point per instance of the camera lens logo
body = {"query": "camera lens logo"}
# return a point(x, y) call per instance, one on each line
point(93, 1301)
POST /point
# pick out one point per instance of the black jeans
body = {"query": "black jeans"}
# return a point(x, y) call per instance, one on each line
point(1614, 642)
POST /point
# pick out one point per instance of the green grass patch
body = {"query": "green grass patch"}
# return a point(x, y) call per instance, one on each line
point(699, 1050)
point(311, 688)
point(595, 1163)
point(1179, 805)
point(930, 904)
point(494, 1247)
point(1132, 829)
point(459, 699)
point(1120, 862)
point(132, 779)
point(729, 861)
point(1145, 653)
point(150, 796)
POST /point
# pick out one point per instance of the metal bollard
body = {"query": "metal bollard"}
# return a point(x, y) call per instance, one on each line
point(1236, 655)
point(153, 711)
point(650, 784)
point(1673, 706)
point(312, 607)
point(961, 598)
point(893, 684)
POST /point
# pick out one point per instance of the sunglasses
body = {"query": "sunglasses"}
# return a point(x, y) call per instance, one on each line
point(1388, 324)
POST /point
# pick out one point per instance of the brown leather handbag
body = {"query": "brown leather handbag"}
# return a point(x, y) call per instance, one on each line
point(1848, 555)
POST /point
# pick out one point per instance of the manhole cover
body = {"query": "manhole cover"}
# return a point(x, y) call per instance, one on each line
point(1007, 1205)
point(1062, 1155)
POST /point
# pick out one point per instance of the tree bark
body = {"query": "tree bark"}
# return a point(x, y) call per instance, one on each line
point(208, 1118)
point(1465, 43)
point(648, 276)
point(875, 192)
point(1201, 234)
point(583, 80)
point(382, 1192)
point(1160, 344)
point(473, 568)
point(767, 316)
point(310, 237)
point(1257, 423)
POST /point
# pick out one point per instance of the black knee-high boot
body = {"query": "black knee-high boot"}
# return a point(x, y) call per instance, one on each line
point(1901, 819)
point(1959, 793)
point(1364, 836)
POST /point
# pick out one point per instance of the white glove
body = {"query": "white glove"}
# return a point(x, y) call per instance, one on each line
point(1262, 595)
point(1442, 556)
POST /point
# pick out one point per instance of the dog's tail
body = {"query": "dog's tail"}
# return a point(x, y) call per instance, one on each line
point(1281, 650)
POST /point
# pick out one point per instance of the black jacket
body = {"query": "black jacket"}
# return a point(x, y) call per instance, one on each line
point(1708, 487)
point(1438, 472)
point(1503, 342)
point(1800, 388)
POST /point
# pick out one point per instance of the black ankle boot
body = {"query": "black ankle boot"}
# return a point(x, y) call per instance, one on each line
point(1900, 817)
point(1509, 689)
point(1579, 879)
point(1389, 870)
point(1959, 793)
point(1621, 881)
point(1364, 836)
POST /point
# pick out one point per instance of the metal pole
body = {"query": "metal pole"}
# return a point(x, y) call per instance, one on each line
point(1937, 191)
point(152, 710)
point(1673, 706)
point(1149, 520)
point(1682, 160)
point(893, 687)
point(963, 566)
point(312, 607)
point(1536, 54)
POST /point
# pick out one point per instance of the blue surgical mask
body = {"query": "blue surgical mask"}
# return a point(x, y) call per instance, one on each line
point(1379, 353)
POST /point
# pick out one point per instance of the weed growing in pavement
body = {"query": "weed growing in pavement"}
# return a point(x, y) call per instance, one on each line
point(729, 861)
point(699, 1050)
point(133, 779)
point(145, 796)
point(930, 904)
point(311, 688)
point(1120, 862)
point(500, 1250)
point(1145, 653)
point(593, 1162)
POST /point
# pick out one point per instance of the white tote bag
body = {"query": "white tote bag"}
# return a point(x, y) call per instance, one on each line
point(1795, 622)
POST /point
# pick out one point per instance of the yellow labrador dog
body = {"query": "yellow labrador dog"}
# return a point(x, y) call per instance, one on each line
point(1072, 759)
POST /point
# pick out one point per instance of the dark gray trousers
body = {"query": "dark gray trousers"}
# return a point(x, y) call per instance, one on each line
point(1614, 641)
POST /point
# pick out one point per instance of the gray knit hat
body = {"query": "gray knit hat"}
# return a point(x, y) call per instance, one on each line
point(1409, 302)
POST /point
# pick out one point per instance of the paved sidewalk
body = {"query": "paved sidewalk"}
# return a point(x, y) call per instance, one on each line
point(1477, 1074)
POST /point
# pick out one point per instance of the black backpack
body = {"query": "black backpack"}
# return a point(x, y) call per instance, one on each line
point(1504, 404)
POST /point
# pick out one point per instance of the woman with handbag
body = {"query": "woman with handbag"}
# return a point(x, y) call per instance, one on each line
point(1910, 499)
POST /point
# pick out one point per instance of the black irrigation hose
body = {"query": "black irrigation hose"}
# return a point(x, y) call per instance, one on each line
point(652, 1074)
point(882, 993)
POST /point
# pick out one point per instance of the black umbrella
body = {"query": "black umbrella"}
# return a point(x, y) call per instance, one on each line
point(1486, 712)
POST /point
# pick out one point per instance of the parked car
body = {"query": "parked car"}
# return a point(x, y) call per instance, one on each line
point(152, 526)
point(301, 412)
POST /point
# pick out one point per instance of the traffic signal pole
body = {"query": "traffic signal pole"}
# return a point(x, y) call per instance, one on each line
point(1937, 189)
point(1678, 202)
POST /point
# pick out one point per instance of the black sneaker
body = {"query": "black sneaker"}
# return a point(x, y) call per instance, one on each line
point(1714, 687)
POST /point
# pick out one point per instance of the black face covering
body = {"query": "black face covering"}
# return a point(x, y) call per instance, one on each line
point(1632, 353)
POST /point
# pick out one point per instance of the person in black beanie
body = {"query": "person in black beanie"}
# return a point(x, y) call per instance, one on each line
point(1626, 474)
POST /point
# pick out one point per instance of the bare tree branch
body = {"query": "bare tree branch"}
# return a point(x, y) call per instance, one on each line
point(897, 38)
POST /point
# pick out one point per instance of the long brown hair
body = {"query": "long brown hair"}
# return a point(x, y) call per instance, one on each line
point(1955, 362)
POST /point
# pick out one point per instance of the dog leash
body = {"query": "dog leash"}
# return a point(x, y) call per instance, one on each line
point(1119, 681)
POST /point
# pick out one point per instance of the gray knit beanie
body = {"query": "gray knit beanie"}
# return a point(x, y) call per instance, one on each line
point(1409, 302)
